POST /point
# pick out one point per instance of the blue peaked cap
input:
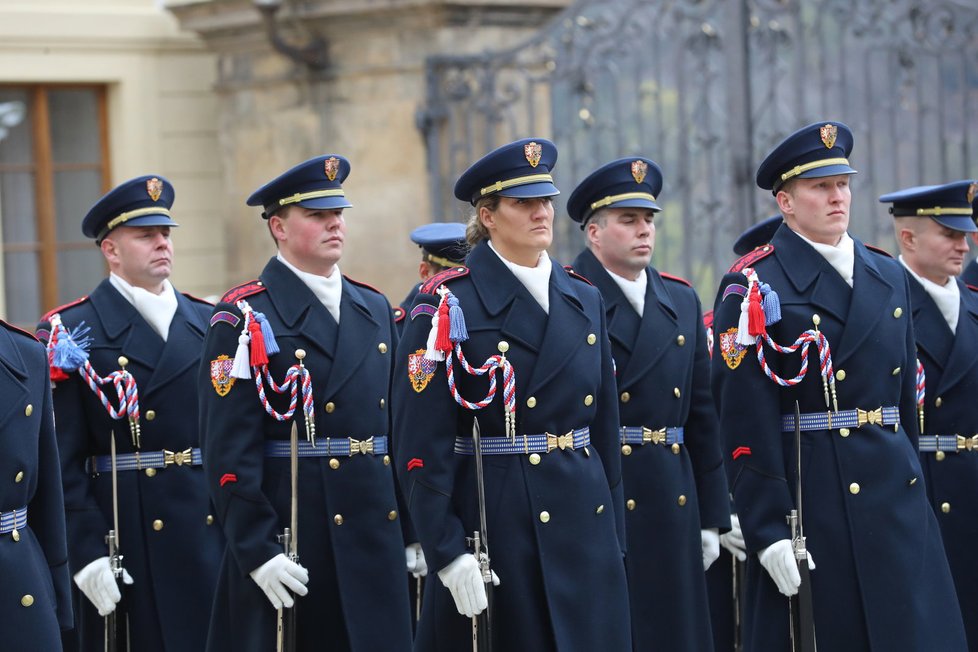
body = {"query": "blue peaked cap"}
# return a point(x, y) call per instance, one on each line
point(143, 201)
point(949, 204)
point(818, 150)
point(631, 182)
point(757, 235)
point(314, 184)
point(521, 169)
point(443, 241)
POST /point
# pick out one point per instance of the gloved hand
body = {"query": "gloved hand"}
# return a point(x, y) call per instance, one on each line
point(463, 579)
point(734, 539)
point(778, 559)
point(279, 575)
point(416, 564)
point(710, 540)
point(98, 584)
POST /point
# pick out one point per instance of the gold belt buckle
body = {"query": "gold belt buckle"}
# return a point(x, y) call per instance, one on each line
point(650, 436)
point(562, 442)
point(365, 447)
point(179, 458)
point(872, 417)
point(967, 443)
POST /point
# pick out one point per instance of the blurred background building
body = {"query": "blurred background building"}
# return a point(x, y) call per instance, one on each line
point(220, 95)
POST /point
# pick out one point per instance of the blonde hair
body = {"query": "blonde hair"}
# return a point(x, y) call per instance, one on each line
point(475, 230)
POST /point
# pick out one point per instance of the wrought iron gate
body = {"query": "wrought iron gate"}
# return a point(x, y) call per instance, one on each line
point(706, 88)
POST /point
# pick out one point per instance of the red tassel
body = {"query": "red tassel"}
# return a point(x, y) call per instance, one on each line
point(442, 341)
point(259, 357)
point(58, 374)
point(755, 313)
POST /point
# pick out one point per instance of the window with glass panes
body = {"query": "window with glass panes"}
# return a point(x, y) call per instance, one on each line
point(53, 168)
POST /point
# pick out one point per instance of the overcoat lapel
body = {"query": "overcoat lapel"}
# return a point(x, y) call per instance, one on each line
point(357, 327)
point(183, 343)
point(13, 374)
point(871, 294)
point(964, 350)
point(124, 327)
point(657, 330)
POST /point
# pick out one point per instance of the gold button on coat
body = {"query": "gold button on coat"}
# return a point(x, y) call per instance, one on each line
point(945, 507)
point(150, 415)
point(681, 340)
point(912, 481)
point(387, 460)
point(840, 375)
point(534, 459)
point(382, 403)
point(854, 488)
point(19, 477)
point(592, 338)
point(329, 407)
point(27, 600)
point(334, 463)
point(338, 519)
point(599, 510)
point(896, 372)
point(29, 410)
point(675, 449)
point(844, 432)
point(392, 515)
point(897, 312)
point(382, 347)
point(938, 402)
point(675, 390)
point(588, 400)
point(544, 517)
point(531, 402)
point(626, 450)
point(625, 397)
point(210, 519)
point(157, 525)
point(150, 473)
point(15, 535)
point(682, 500)
point(940, 455)
point(630, 504)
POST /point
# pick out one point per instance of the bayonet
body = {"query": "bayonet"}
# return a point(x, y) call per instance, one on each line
point(285, 634)
point(117, 622)
point(482, 623)
point(801, 621)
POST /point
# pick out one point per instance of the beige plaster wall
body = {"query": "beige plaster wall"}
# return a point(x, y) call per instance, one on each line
point(162, 108)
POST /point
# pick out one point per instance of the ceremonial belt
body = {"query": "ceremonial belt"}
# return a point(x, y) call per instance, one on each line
point(340, 446)
point(947, 443)
point(641, 435)
point(522, 445)
point(15, 520)
point(143, 460)
point(881, 416)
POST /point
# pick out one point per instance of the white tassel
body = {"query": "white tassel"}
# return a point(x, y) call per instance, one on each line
point(744, 337)
point(242, 360)
point(431, 353)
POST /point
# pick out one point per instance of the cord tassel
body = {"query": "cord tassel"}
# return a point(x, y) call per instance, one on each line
point(271, 346)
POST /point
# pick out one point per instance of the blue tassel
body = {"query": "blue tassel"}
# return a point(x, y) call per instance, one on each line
point(271, 346)
point(70, 353)
point(456, 331)
point(771, 303)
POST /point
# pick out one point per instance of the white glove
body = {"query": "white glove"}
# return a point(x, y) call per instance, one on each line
point(98, 584)
point(734, 539)
point(463, 579)
point(778, 559)
point(710, 539)
point(416, 564)
point(279, 575)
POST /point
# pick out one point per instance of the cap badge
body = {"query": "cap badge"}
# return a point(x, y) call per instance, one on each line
point(154, 188)
point(533, 152)
point(332, 166)
point(828, 134)
point(972, 191)
point(639, 168)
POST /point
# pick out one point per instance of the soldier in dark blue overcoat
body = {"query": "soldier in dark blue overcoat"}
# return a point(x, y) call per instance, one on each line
point(549, 431)
point(970, 272)
point(167, 534)
point(676, 497)
point(932, 223)
point(880, 580)
point(351, 529)
point(35, 586)
point(442, 246)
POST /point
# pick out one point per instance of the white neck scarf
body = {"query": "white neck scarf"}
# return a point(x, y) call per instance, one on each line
point(156, 309)
point(841, 256)
point(328, 289)
point(634, 291)
point(535, 279)
point(947, 296)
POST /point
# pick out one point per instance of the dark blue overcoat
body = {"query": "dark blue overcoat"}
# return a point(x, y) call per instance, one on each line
point(951, 367)
point(671, 493)
point(555, 527)
point(34, 579)
point(882, 579)
point(170, 544)
point(970, 273)
point(350, 522)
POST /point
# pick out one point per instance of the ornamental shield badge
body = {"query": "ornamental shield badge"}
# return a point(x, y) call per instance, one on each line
point(532, 152)
point(972, 191)
point(639, 168)
point(154, 188)
point(221, 377)
point(420, 371)
point(332, 166)
point(828, 134)
point(731, 351)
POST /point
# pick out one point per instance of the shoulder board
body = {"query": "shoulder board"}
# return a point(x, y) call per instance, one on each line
point(432, 284)
point(749, 259)
point(398, 314)
point(361, 284)
point(13, 328)
point(47, 316)
point(972, 287)
point(197, 299)
point(678, 279)
point(882, 252)
point(708, 319)
point(241, 291)
point(570, 272)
